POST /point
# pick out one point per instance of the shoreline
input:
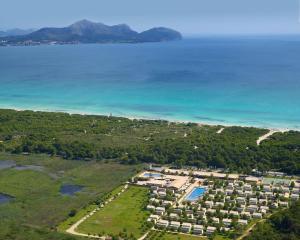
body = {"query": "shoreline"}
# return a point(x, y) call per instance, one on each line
point(133, 117)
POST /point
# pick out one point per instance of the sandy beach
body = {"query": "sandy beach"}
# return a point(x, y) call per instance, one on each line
point(132, 117)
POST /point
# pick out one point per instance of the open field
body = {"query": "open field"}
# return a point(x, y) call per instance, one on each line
point(125, 213)
point(37, 199)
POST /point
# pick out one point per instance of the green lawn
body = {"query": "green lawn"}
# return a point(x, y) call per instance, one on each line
point(157, 235)
point(126, 212)
point(38, 202)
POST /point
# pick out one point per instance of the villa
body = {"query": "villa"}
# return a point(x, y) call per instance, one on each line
point(216, 220)
point(174, 225)
point(257, 215)
point(242, 222)
point(150, 208)
point(186, 227)
point(295, 197)
point(174, 216)
point(198, 229)
point(160, 210)
point(227, 222)
point(210, 230)
point(162, 224)
point(153, 218)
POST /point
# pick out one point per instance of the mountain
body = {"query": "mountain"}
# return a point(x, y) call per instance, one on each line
point(16, 32)
point(85, 31)
point(159, 34)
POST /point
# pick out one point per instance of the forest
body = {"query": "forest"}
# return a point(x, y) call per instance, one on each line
point(88, 137)
point(283, 225)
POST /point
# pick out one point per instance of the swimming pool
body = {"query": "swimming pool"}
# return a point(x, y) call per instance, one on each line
point(195, 194)
point(155, 175)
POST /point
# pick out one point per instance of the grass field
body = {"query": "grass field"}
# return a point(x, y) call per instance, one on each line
point(157, 235)
point(38, 202)
point(124, 214)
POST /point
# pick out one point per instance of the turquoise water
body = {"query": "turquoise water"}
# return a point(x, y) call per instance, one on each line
point(195, 194)
point(240, 81)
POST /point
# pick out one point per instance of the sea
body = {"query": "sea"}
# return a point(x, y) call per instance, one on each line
point(228, 80)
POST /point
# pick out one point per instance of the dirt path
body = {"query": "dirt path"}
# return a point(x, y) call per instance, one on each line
point(269, 134)
point(72, 229)
point(220, 130)
point(248, 231)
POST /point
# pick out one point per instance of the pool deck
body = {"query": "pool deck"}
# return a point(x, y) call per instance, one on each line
point(189, 190)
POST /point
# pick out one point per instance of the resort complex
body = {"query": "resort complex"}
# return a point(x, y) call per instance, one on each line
point(190, 202)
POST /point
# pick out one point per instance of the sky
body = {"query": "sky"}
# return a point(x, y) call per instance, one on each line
point(191, 17)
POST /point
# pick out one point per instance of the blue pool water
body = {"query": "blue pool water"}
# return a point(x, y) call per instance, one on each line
point(195, 194)
point(243, 81)
point(155, 175)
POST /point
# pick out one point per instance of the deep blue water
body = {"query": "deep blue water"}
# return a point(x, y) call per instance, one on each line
point(239, 81)
point(195, 194)
point(70, 189)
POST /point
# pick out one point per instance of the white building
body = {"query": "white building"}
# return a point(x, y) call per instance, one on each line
point(174, 216)
point(257, 215)
point(153, 218)
point(174, 225)
point(198, 229)
point(209, 204)
point(210, 230)
point(150, 208)
point(294, 197)
point(162, 224)
point(227, 222)
point(242, 222)
point(252, 208)
point(253, 201)
point(160, 210)
point(186, 227)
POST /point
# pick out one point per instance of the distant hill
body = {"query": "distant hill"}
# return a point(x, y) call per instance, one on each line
point(16, 32)
point(85, 31)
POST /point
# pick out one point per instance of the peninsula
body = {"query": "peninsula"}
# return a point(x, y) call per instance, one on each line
point(85, 31)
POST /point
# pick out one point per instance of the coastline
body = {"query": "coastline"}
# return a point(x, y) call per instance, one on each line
point(136, 117)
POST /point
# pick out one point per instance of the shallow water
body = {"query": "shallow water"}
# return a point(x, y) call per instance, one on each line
point(7, 164)
point(4, 198)
point(29, 167)
point(239, 81)
point(70, 189)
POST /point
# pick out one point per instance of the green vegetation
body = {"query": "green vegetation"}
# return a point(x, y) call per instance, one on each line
point(13, 231)
point(124, 216)
point(133, 141)
point(38, 203)
point(163, 235)
point(283, 225)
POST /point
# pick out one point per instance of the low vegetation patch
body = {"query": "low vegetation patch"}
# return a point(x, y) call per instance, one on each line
point(124, 216)
point(37, 199)
point(163, 235)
